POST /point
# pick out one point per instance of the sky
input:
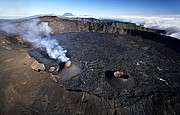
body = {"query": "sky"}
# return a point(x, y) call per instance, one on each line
point(89, 7)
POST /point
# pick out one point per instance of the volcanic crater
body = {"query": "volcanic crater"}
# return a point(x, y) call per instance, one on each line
point(88, 86)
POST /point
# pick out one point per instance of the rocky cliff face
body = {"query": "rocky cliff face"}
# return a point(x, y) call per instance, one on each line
point(60, 25)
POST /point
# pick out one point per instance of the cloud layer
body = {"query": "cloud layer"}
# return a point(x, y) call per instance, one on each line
point(170, 23)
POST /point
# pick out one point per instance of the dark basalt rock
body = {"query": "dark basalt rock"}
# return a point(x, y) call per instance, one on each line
point(150, 64)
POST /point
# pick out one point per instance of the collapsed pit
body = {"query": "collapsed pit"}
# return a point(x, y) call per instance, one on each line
point(125, 81)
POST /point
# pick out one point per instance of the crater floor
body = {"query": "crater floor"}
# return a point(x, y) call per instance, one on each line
point(153, 86)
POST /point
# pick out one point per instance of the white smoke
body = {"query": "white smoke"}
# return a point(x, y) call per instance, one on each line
point(38, 34)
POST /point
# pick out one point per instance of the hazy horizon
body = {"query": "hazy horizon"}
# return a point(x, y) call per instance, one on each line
point(169, 23)
point(89, 7)
point(156, 14)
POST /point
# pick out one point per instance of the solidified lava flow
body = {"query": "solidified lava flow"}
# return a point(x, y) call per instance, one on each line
point(96, 56)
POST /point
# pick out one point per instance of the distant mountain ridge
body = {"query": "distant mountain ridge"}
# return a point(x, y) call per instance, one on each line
point(67, 14)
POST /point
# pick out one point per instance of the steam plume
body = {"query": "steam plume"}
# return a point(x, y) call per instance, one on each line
point(38, 34)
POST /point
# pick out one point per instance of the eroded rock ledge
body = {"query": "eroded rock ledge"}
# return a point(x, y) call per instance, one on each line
point(60, 25)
